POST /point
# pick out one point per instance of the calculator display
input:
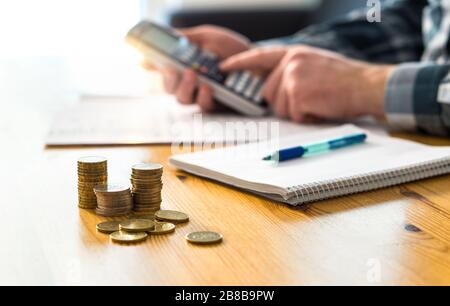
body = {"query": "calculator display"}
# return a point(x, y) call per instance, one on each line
point(161, 40)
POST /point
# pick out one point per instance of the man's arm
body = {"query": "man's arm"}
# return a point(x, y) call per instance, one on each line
point(417, 95)
point(396, 39)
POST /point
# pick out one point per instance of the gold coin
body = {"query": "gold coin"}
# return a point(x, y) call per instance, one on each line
point(87, 207)
point(110, 215)
point(142, 216)
point(162, 228)
point(171, 216)
point(108, 227)
point(147, 167)
point(111, 189)
point(137, 225)
point(92, 160)
point(124, 237)
point(94, 180)
point(92, 169)
point(204, 237)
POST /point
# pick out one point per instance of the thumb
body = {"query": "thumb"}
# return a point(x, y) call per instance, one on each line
point(255, 59)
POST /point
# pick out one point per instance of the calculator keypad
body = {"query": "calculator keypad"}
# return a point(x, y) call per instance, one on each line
point(241, 83)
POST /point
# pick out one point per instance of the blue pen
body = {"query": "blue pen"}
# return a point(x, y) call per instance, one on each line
point(317, 148)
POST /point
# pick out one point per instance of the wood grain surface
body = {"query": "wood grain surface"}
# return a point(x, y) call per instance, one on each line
point(395, 236)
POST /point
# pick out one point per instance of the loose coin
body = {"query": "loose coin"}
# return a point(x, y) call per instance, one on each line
point(108, 227)
point(171, 216)
point(137, 225)
point(204, 237)
point(162, 228)
point(124, 237)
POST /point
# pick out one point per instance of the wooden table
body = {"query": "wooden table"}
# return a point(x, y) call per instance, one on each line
point(396, 236)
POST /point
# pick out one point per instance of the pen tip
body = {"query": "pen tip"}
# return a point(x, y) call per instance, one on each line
point(267, 158)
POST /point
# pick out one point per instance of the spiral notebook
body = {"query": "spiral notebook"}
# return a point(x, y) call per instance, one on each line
point(380, 162)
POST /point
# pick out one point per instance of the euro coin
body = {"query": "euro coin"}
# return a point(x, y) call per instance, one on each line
point(92, 172)
point(204, 238)
point(162, 228)
point(147, 167)
point(137, 225)
point(171, 216)
point(92, 160)
point(124, 237)
point(142, 216)
point(109, 214)
point(113, 200)
point(108, 227)
point(111, 189)
point(146, 187)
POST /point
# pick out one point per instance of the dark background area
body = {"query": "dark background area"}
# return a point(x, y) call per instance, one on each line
point(259, 25)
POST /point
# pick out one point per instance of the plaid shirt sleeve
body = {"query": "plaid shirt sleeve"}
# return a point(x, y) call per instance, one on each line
point(411, 99)
point(396, 39)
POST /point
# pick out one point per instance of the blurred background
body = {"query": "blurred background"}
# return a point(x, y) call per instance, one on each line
point(85, 27)
point(56, 51)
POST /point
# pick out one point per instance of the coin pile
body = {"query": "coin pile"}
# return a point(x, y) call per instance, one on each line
point(146, 187)
point(113, 201)
point(92, 171)
point(134, 230)
point(138, 230)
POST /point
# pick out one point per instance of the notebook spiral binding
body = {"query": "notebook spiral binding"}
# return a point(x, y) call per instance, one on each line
point(302, 194)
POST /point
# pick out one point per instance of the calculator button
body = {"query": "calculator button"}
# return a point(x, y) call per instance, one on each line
point(258, 95)
point(216, 75)
point(259, 98)
point(232, 80)
point(202, 60)
point(189, 56)
point(251, 89)
point(211, 63)
point(209, 54)
point(243, 82)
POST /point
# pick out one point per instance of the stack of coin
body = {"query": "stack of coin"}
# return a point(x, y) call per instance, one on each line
point(92, 171)
point(147, 186)
point(113, 201)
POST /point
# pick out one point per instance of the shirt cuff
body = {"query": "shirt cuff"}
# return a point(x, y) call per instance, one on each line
point(399, 99)
point(412, 101)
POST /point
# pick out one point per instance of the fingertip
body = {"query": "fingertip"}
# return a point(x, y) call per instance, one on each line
point(225, 65)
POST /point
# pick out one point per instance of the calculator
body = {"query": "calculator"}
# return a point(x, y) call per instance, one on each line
point(163, 47)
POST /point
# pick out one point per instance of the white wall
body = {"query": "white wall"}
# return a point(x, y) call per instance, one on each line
point(68, 27)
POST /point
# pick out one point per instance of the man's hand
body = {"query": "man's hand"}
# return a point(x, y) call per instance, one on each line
point(305, 84)
point(222, 42)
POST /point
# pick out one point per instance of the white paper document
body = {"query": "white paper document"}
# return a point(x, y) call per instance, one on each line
point(159, 120)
